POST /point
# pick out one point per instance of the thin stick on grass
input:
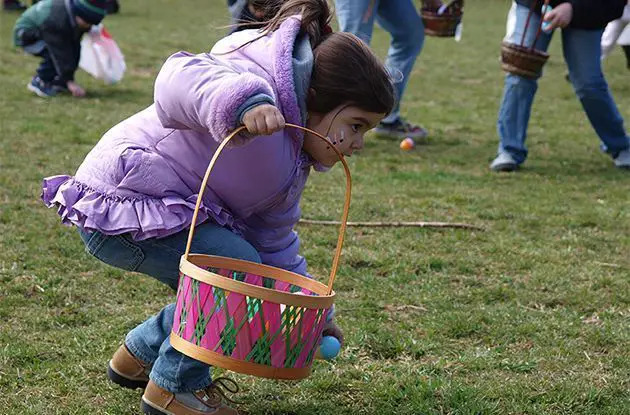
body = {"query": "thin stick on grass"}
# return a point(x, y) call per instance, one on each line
point(394, 224)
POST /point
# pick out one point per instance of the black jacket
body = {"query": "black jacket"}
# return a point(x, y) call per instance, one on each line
point(587, 14)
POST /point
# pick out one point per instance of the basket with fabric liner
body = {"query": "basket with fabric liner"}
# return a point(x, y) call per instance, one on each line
point(521, 60)
point(442, 24)
point(248, 317)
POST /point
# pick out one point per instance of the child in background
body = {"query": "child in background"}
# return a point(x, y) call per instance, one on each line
point(582, 25)
point(251, 14)
point(134, 195)
point(401, 19)
point(52, 30)
point(13, 5)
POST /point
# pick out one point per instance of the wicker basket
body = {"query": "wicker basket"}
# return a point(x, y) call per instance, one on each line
point(247, 317)
point(521, 60)
point(444, 24)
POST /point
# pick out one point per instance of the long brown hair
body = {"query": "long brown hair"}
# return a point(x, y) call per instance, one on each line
point(345, 70)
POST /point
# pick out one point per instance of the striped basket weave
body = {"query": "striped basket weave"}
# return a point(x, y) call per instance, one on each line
point(247, 317)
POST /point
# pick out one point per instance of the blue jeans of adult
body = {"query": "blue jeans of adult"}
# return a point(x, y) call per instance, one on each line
point(582, 52)
point(159, 258)
point(398, 17)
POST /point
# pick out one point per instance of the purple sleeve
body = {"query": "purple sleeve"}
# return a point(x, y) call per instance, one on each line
point(199, 92)
point(279, 249)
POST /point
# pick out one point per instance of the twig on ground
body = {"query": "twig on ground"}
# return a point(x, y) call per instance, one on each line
point(607, 264)
point(394, 224)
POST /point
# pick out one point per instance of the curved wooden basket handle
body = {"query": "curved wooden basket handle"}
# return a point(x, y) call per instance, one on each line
point(346, 204)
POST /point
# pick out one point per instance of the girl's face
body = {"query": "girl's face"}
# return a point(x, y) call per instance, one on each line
point(344, 127)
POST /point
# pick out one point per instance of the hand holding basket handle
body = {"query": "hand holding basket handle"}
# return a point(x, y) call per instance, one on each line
point(560, 16)
point(263, 119)
point(253, 318)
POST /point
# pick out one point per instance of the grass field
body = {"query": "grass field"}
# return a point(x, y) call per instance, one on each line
point(530, 316)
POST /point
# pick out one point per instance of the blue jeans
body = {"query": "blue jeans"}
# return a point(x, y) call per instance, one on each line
point(401, 19)
point(582, 52)
point(159, 258)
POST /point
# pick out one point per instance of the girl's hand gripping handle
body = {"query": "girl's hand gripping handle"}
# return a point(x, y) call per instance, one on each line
point(263, 119)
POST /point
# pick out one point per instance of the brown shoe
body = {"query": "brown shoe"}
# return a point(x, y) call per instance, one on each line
point(209, 401)
point(127, 370)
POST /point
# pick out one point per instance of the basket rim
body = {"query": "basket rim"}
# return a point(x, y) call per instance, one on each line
point(192, 270)
point(513, 69)
point(524, 50)
point(236, 365)
point(432, 14)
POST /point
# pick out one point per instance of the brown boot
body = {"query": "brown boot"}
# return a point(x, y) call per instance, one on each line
point(127, 370)
point(158, 401)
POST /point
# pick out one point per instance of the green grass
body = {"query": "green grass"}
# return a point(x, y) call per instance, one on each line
point(531, 316)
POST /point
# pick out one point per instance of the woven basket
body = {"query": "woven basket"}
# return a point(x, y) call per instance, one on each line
point(521, 60)
point(442, 25)
point(247, 317)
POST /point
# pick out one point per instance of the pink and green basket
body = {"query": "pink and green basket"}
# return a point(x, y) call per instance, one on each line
point(247, 317)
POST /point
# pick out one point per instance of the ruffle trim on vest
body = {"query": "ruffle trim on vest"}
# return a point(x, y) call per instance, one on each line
point(143, 218)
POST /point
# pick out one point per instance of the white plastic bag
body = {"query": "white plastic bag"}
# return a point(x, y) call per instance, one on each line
point(101, 57)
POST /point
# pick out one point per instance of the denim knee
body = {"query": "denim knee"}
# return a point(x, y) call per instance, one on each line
point(594, 85)
point(411, 40)
point(416, 41)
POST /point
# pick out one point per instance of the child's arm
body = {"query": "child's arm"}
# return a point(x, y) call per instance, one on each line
point(199, 92)
point(278, 247)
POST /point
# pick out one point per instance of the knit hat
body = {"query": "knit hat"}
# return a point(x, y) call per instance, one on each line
point(92, 11)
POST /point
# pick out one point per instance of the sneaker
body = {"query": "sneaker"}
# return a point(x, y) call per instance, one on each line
point(622, 160)
point(41, 88)
point(158, 401)
point(400, 129)
point(127, 370)
point(13, 5)
point(504, 162)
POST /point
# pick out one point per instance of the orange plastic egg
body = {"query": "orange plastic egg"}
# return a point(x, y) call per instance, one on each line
point(407, 144)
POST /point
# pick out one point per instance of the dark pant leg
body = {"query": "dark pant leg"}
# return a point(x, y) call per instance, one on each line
point(46, 70)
